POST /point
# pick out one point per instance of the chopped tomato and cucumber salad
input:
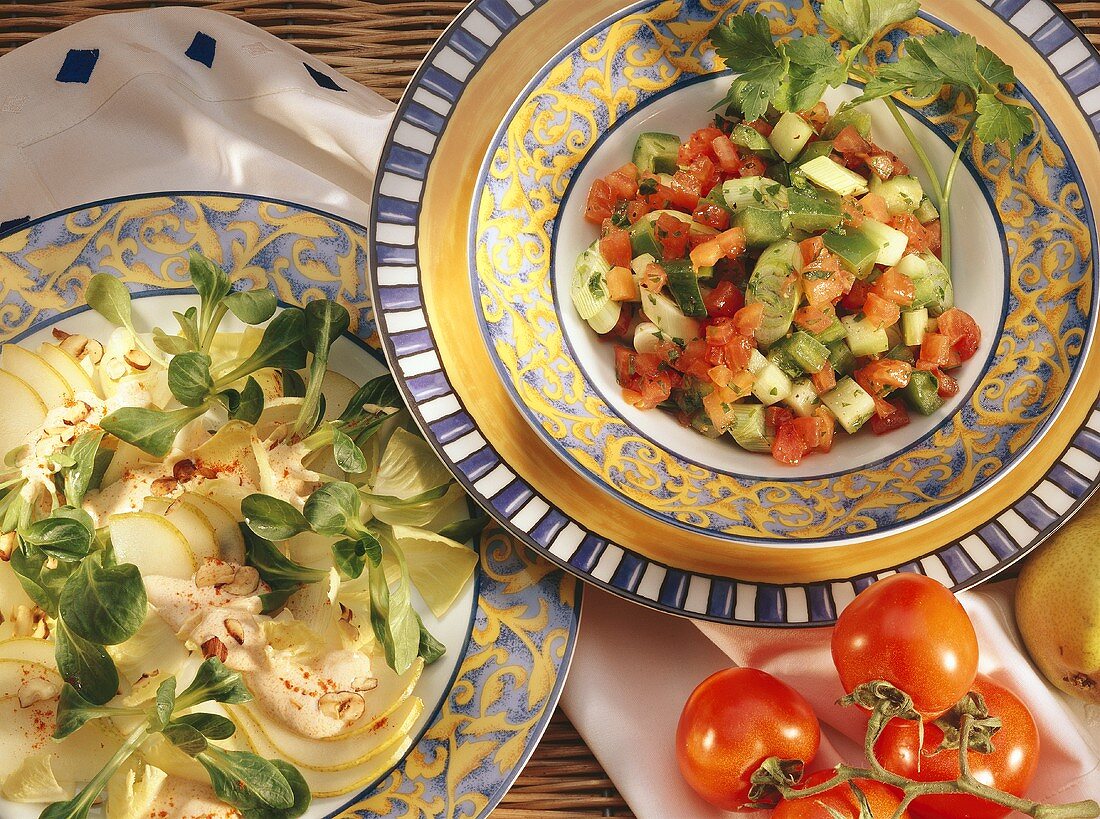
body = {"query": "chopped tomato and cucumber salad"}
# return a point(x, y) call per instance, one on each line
point(773, 280)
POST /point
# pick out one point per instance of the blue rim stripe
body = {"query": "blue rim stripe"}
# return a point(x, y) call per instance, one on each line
point(607, 564)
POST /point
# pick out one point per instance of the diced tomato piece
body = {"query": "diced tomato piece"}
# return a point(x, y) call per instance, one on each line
point(761, 126)
point(880, 312)
point(749, 318)
point(953, 360)
point(849, 141)
point(856, 296)
point(647, 364)
point(827, 422)
point(824, 380)
point(699, 144)
point(635, 210)
point(776, 416)
point(962, 330)
point(654, 391)
point(881, 165)
point(894, 286)
point(815, 319)
point(948, 386)
point(908, 224)
point(742, 382)
point(721, 375)
point(886, 372)
point(729, 158)
point(811, 248)
point(712, 215)
point(738, 352)
point(615, 248)
point(704, 172)
point(667, 351)
point(654, 278)
point(818, 116)
point(716, 354)
point(824, 280)
point(721, 332)
point(724, 300)
point(874, 207)
point(752, 165)
point(896, 419)
point(599, 204)
point(809, 430)
point(673, 236)
point(620, 282)
point(934, 349)
point(728, 244)
point(632, 396)
point(682, 196)
point(853, 213)
point(719, 406)
point(789, 447)
point(624, 365)
point(623, 182)
point(934, 236)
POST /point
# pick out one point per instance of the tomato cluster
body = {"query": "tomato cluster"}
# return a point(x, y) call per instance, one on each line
point(906, 630)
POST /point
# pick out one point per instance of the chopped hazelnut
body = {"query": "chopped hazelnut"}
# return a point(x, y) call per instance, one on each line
point(214, 648)
point(346, 706)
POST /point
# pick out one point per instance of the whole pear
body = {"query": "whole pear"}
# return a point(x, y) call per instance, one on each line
point(1058, 606)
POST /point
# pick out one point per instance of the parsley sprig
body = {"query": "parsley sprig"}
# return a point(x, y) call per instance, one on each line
point(792, 75)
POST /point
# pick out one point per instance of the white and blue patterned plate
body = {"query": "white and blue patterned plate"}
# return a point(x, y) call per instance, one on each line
point(479, 160)
point(518, 618)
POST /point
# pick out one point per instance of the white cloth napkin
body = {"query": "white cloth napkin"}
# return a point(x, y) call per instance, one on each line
point(191, 100)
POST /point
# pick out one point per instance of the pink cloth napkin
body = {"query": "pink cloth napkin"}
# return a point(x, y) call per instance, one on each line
point(634, 669)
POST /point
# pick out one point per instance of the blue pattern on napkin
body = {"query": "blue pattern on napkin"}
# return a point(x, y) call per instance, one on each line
point(78, 66)
point(201, 49)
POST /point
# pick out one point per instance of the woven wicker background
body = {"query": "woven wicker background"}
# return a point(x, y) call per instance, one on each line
point(380, 44)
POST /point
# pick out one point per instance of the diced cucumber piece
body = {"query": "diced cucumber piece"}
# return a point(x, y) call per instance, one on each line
point(856, 251)
point(752, 140)
point(864, 338)
point(781, 172)
point(856, 117)
point(827, 174)
point(823, 147)
point(702, 423)
point(790, 136)
point(775, 284)
point(606, 318)
point(903, 194)
point(813, 211)
point(762, 226)
point(751, 192)
point(643, 240)
point(850, 403)
point(914, 323)
point(899, 352)
point(663, 312)
point(657, 153)
point(750, 429)
point(717, 196)
point(803, 398)
point(926, 212)
point(689, 398)
point(922, 392)
point(890, 242)
point(757, 362)
point(840, 356)
point(589, 286)
point(779, 355)
point(683, 284)
point(834, 332)
point(799, 354)
point(931, 282)
point(771, 385)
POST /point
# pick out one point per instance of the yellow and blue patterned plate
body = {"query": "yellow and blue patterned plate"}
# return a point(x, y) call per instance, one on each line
point(477, 223)
point(511, 636)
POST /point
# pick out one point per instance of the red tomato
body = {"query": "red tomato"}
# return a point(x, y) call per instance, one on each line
point(1010, 768)
point(855, 297)
point(963, 332)
point(699, 144)
point(790, 446)
point(874, 207)
point(709, 214)
point(615, 248)
point(724, 300)
point(841, 800)
point(934, 349)
point(849, 141)
point(827, 421)
point(815, 319)
point(599, 203)
point(729, 158)
point(761, 126)
point(895, 420)
point(673, 236)
point(811, 248)
point(752, 165)
point(879, 311)
point(776, 416)
point(749, 318)
point(623, 182)
point(909, 630)
point(911, 227)
point(895, 287)
point(731, 723)
point(824, 380)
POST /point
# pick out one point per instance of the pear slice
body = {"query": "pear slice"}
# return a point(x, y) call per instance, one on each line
point(227, 531)
point(229, 452)
point(29, 650)
point(11, 592)
point(32, 368)
point(338, 391)
point(193, 525)
point(227, 492)
point(24, 410)
point(68, 368)
point(152, 544)
point(334, 753)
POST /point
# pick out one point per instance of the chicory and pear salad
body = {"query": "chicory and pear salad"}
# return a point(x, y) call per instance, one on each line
point(779, 273)
point(209, 545)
